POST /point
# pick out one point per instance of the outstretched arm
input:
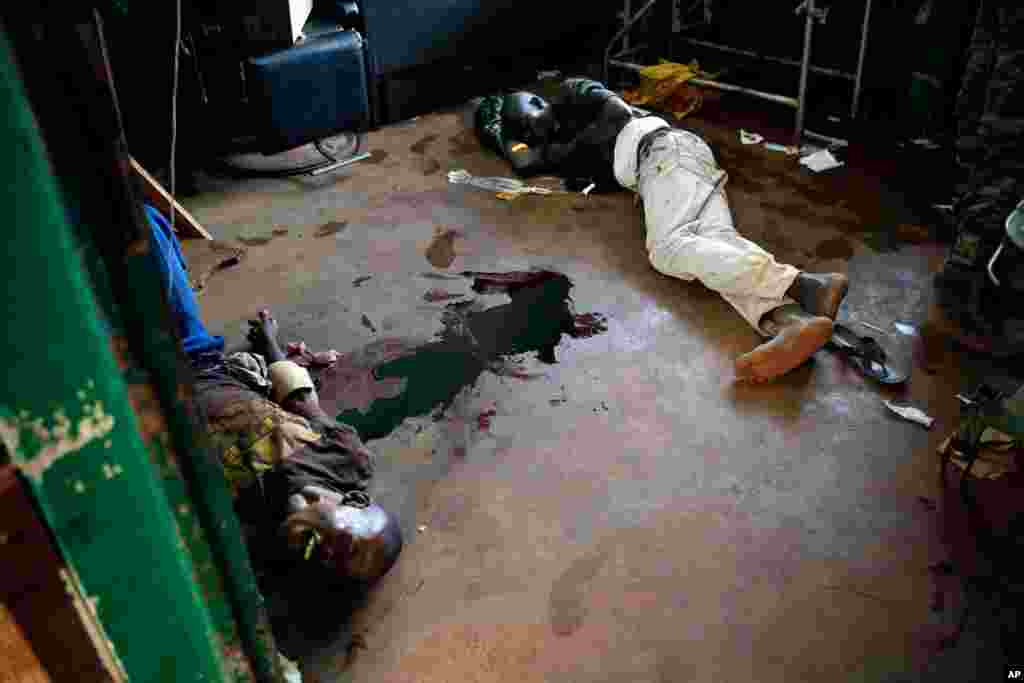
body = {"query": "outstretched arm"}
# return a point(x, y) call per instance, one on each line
point(303, 402)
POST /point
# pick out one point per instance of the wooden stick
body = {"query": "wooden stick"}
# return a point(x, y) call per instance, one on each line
point(184, 222)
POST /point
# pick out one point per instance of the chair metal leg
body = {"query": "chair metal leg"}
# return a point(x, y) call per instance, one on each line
point(859, 80)
point(805, 68)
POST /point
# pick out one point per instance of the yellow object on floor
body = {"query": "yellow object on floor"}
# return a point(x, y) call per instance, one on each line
point(997, 456)
point(665, 86)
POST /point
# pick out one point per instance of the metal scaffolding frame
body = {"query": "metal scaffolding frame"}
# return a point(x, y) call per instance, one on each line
point(812, 14)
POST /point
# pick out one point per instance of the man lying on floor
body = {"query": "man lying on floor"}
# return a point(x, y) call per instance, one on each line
point(293, 469)
point(589, 134)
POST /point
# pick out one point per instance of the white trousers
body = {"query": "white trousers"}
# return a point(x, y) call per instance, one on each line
point(690, 232)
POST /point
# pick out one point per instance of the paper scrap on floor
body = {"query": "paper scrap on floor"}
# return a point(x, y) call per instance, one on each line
point(820, 161)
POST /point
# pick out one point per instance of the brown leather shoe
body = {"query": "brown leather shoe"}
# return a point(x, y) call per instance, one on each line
point(820, 294)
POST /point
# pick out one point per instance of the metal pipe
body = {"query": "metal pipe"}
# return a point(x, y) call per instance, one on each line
point(632, 50)
point(836, 73)
point(626, 11)
point(760, 94)
point(623, 31)
point(728, 87)
point(834, 142)
point(344, 162)
point(805, 66)
point(858, 80)
point(992, 264)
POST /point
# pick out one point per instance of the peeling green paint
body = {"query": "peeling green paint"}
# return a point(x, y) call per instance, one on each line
point(69, 426)
point(40, 442)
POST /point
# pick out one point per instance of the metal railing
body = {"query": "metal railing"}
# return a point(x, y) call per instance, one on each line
point(812, 14)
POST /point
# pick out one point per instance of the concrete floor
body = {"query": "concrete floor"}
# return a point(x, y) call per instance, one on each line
point(660, 523)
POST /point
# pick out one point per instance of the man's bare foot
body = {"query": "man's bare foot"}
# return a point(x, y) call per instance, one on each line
point(263, 337)
point(798, 334)
point(820, 293)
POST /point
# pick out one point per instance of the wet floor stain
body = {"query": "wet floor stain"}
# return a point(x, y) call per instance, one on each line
point(331, 228)
point(464, 144)
point(431, 166)
point(440, 276)
point(208, 257)
point(567, 607)
point(483, 420)
point(435, 295)
point(441, 251)
point(835, 248)
point(376, 156)
point(255, 240)
point(472, 341)
point(351, 385)
point(420, 146)
point(590, 325)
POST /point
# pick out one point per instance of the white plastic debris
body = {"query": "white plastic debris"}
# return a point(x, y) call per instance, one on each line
point(289, 669)
point(776, 147)
point(553, 73)
point(748, 138)
point(588, 189)
point(495, 183)
point(911, 414)
point(905, 329)
point(421, 528)
point(822, 160)
point(927, 143)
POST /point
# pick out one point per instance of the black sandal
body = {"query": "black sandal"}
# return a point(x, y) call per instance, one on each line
point(865, 355)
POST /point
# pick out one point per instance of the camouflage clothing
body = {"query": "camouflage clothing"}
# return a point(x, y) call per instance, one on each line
point(990, 115)
point(581, 87)
point(266, 450)
point(990, 109)
point(489, 123)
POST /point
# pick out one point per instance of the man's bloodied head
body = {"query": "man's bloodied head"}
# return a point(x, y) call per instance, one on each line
point(528, 118)
point(357, 541)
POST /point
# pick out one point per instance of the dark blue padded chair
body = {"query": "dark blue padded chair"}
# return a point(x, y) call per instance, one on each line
point(315, 88)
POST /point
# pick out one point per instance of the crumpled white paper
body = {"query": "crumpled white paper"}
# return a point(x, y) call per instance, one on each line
point(822, 160)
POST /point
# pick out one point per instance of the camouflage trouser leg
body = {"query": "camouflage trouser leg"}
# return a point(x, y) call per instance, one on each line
point(990, 107)
point(990, 114)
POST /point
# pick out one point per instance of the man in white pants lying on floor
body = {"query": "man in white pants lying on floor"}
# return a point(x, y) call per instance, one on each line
point(590, 135)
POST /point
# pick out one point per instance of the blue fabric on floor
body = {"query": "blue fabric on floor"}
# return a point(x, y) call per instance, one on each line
point(166, 254)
